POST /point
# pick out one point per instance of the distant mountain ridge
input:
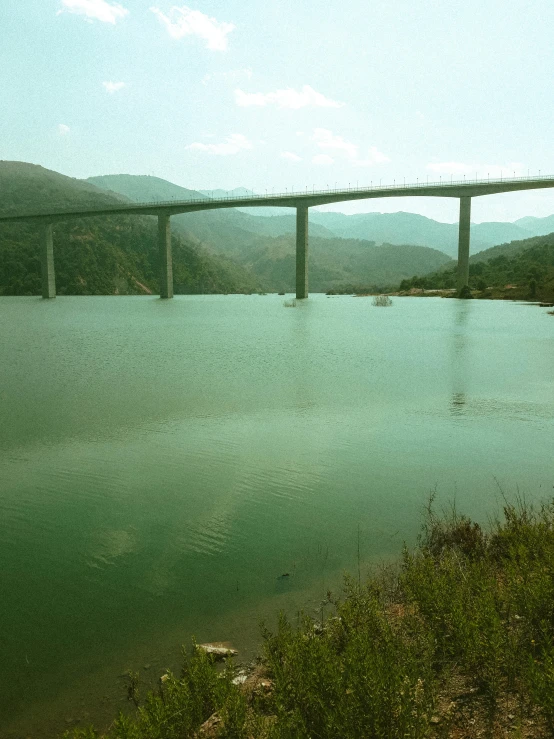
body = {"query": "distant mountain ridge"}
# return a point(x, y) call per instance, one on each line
point(417, 229)
point(144, 188)
point(539, 226)
point(391, 228)
point(224, 250)
point(266, 245)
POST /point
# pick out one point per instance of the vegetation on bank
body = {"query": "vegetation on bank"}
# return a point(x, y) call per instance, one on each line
point(527, 274)
point(456, 641)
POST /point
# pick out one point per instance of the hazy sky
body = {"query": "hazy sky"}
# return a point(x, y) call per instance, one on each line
point(282, 93)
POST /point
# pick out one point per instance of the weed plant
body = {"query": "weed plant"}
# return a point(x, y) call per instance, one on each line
point(382, 301)
point(464, 623)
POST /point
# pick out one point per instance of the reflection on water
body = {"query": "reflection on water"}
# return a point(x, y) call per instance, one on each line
point(458, 403)
point(459, 339)
point(164, 463)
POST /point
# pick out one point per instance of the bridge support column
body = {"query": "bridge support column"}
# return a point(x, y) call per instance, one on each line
point(301, 251)
point(47, 262)
point(463, 242)
point(166, 262)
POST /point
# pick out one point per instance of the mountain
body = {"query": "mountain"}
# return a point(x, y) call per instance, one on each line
point(382, 228)
point(221, 250)
point(266, 245)
point(144, 188)
point(537, 226)
point(239, 192)
point(214, 226)
point(24, 186)
point(411, 228)
point(95, 256)
point(278, 225)
point(520, 270)
point(334, 264)
point(511, 249)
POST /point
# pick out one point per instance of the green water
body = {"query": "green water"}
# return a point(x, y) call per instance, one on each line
point(163, 463)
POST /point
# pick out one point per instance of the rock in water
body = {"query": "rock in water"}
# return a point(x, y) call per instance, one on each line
point(220, 650)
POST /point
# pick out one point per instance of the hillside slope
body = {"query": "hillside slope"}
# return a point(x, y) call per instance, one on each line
point(266, 247)
point(109, 255)
point(519, 270)
point(412, 228)
point(334, 264)
point(216, 227)
point(219, 227)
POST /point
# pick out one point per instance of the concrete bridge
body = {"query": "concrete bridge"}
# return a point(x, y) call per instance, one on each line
point(302, 200)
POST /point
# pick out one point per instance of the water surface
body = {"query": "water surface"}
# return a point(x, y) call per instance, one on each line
point(164, 463)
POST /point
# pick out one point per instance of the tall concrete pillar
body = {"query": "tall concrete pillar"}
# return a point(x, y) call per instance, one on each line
point(166, 263)
point(301, 251)
point(47, 262)
point(463, 242)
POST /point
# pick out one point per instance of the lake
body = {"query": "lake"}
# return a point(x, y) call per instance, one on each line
point(164, 463)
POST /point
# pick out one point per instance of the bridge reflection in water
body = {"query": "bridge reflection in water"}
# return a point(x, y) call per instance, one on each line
point(302, 201)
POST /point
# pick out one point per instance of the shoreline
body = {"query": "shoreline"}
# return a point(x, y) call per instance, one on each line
point(513, 294)
point(453, 640)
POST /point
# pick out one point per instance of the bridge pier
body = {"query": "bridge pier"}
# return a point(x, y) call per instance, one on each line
point(463, 242)
point(166, 262)
point(47, 262)
point(301, 251)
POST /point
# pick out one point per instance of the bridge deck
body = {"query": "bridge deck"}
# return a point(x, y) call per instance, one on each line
point(307, 198)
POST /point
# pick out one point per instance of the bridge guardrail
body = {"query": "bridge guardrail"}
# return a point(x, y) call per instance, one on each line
point(269, 197)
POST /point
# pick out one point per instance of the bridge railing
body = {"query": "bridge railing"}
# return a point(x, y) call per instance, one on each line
point(294, 194)
point(328, 191)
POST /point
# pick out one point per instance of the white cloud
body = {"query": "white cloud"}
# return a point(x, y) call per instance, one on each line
point(374, 157)
point(457, 169)
point(112, 87)
point(232, 145)
point(99, 10)
point(288, 98)
point(377, 156)
point(291, 156)
point(322, 159)
point(63, 130)
point(326, 139)
point(187, 22)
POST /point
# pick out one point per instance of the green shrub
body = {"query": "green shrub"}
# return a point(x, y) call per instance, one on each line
point(466, 604)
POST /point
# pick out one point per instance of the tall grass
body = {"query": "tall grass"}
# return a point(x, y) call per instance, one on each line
point(382, 301)
point(458, 640)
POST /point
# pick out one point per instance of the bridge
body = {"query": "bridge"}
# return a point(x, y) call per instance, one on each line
point(302, 200)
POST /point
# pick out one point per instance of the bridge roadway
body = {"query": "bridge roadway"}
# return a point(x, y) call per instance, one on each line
point(302, 200)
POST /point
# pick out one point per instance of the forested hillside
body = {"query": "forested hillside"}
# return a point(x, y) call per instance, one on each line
point(228, 250)
point(217, 228)
point(265, 246)
point(334, 264)
point(522, 270)
point(97, 256)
